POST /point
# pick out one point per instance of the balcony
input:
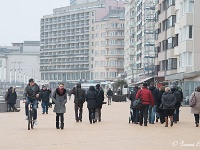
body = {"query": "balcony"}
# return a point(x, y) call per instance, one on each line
point(107, 56)
point(114, 67)
point(114, 37)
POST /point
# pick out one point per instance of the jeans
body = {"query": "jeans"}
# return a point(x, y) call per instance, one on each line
point(45, 106)
point(109, 100)
point(196, 117)
point(78, 107)
point(98, 114)
point(35, 103)
point(135, 114)
point(144, 114)
point(152, 113)
point(176, 113)
point(91, 114)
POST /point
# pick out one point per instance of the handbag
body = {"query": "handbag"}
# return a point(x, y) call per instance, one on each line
point(193, 101)
point(138, 102)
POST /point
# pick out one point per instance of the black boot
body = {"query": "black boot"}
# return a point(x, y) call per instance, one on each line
point(57, 125)
point(62, 126)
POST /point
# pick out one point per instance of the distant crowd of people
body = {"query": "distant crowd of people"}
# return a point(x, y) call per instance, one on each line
point(161, 103)
point(94, 98)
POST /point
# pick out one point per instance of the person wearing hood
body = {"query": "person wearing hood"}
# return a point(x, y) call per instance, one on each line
point(179, 98)
point(168, 105)
point(12, 97)
point(59, 97)
point(79, 99)
point(152, 110)
point(31, 95)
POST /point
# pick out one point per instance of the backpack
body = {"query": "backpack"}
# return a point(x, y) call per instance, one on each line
point(179, 96)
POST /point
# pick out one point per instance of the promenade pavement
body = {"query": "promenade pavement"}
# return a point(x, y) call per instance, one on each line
point(113, 133)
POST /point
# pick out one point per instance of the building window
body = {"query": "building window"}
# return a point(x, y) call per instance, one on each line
point(96, 75)
point(187, 6)
point(172, 63)
point(186, 33)
point(164, 25)
point(96, 64)
point(176, 40)
point(171, 43)
point(171, 21)
point(170, 3)
point(186, 59)
point(190, 32)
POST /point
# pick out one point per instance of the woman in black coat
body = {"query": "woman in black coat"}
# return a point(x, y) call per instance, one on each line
point(168, 105)
point(91, 98)
point(12, 97)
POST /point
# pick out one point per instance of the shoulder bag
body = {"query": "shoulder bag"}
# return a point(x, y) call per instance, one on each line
point(138, 102)
point(193, 100)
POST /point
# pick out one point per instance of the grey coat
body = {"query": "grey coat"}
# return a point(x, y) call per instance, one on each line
point(168, 100)
point(196, 108)
point(59, 100)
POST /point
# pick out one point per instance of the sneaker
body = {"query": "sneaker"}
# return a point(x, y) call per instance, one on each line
point(46, 112)
point(26, 118)
point(35, 122)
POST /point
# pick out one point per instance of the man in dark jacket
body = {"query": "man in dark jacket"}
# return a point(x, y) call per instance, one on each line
point(152, 110)
point(79, 99)
point(109, 95)
point(45, 95)
point(179, 98)
point(100, 99)
point(31, 95)
point(135, 110)
point(147, 99)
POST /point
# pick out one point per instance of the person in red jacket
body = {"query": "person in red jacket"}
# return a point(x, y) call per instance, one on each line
point(147, 99)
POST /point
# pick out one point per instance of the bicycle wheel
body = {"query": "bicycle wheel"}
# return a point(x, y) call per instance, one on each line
point(32, 123)
point(29, 119)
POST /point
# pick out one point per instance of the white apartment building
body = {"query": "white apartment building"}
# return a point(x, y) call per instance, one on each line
point(140, 44)
point(178, 28)
point(129, 40)
point(66, 36)
point(108, 46)
point(20, 62)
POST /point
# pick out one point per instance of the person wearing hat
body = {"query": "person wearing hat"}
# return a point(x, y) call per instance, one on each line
point(100, 99)
point(45, 95)
point(147, 99)
point(31, 95)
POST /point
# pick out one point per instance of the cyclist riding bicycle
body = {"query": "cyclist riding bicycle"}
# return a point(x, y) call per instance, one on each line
point(31, 95)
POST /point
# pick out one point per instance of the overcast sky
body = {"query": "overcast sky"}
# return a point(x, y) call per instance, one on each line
point(20, 19)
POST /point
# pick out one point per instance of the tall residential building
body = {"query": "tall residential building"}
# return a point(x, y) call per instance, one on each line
point(108, 45)
point(178, 28)
point(140, 44)
point(129, 40)
point(66, 36)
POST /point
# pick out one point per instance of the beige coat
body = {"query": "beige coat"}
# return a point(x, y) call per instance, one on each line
point(196, 108)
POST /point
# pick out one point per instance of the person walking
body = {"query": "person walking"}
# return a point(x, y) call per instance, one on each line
point(91, 98)
point(135, 110)
point(159, 102)
point(152, 110)
point(59, 97)
point(79, 99)
point(100, 99)
point(147, 99)
point(12, 97)
point(179, 98)
point(45, 95)
point(32, 93)
point(168, 105)
point(196, 109)
point(109, 95)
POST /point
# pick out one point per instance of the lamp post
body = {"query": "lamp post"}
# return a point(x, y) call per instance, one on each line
point(4, 79)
